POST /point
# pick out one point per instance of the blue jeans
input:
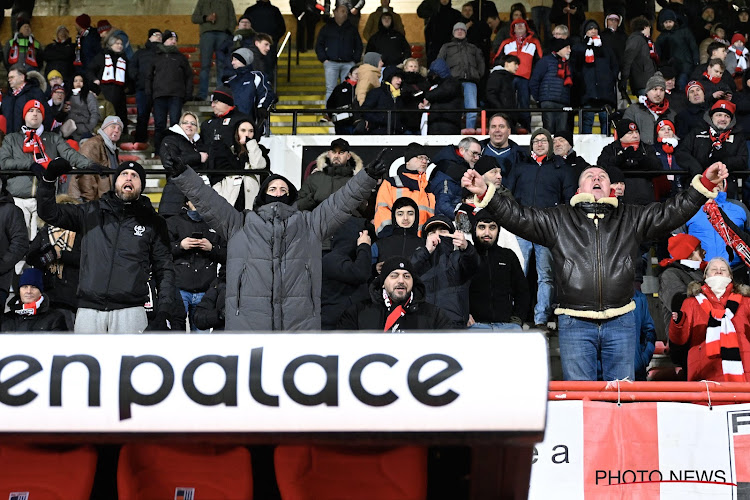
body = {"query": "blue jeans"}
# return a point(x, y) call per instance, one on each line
point(587, 126)
point(495, 327)
point(210, 42)
point(191, 300)
point(164, 106)
point(470, 101)
point(143, 104)
point(335, 71)
point(555, 122)
point(521, 86)
point(545, 282)
point(584, 341)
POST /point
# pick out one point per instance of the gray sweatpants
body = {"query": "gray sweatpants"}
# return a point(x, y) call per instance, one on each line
point(129, 320)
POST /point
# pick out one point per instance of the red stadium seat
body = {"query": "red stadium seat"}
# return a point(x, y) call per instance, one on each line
point(47, 473)
point(317, 472)
point(158, 472)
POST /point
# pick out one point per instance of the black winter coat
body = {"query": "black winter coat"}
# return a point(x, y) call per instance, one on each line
point(445, 95)
point(45, 320)
point(195, 269)
point(209, 313)
point(690, 118)
point(170, 74)
point(500, 91)
point(267, 18)
point(121, 244)
point(439, 29)
point(402, 241)
point(91, 45)
point(12, 107)
point(546, 185)
point(544, 83)
point(499, 289)
point(594, 83)
point(637, 66)
point(380, 98)
point(60, 56)
point(141, 65)
point(413, 88)
point(638, 190)
point(172, 199)
point(390, 44)
point(616, 41)
point(14, 238)
point(338, 43)
point(60, 289)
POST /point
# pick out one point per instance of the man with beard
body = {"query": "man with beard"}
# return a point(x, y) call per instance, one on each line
point(499, 293)
point(332, 170)
point(123, 240)
point(397, 303)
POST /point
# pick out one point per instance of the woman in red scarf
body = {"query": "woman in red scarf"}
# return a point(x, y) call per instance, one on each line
point(713, 325)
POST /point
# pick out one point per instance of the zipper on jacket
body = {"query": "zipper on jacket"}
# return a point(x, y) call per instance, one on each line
point(239, 289)
point(312, 295)
point(599, 265)
point(109, 278)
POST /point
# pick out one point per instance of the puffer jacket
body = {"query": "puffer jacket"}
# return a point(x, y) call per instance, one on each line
point(121, 244)
point(593, 257)
point(465, 60)
point(274, 252)
point(545, 85)
point(528, 52)
point(141, 64)
point(14, 242)
point(252, 92)
point(13, 105)
point(325, 180)
point(12, 157)
point(390, 44)
point(45, 320)
point(409, 183)
point(170, 74)
point(711, 241)
point(381, 98)
point(195, 269)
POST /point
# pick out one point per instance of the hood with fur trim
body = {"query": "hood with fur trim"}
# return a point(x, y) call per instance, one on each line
point(40, 80)
point(694, 288)
point(321, 162)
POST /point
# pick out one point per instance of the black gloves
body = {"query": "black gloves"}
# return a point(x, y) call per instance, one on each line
point(55, 168)
point(377, 168)
point(174, 165)
point(47, 254)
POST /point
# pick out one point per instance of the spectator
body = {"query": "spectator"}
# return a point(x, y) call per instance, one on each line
point(102, 150)
point(685, 265)
point(650, 108)
point(107, 31)
point(31, 311)
point(226, 116)
point(466, 64)
point(664, 147)
point(196, 250)
point(717, 140)
point(692, 116)
point(477, 32)
point(742, 22)
point(645, 336)
point(216, 19)
point(561, 32)
point(57, 252)
point(244, 37)
point(88, 43)
point(60, 54)
point(494, 23)
point(523, 44)
point(169, 83)
point(209, 313)
point(389, 42)
point(181, 140)
point(354, 10)
point(130, 240)
point(254, 96)
point(255, 238)
point(499, 145)
point(550, 85)
point(24, 48)
point(344, 99)
point(412, 181)
point(240, 190)
point(737, 58)
point(677, 45)
point(109, 71)
point(701, 27)
point(346, 272)
point(15, 241)
point(540, 14)
point(595, 70)
point(569, 13)
point(518, 11)
point(264, 60)
point(307, 13)
point(372, 25)
point(332, 170)
point(541, 180)
point(588, 291)
point(444, 95)
point(369, 75)
point(628, 153)
point(453, 161)
point(501, 95)
point(562, 146)
point(440, 17)
point(54, 78)
point(614, 37)
point(83, 109)
point(264, 14)
point(404, 238)
point(413, 88)
point(677, 100)
point(715, 50)
point(57, 111)
point(640, 57)
point(712, 80)
point(717, 34)
point(385, 97)
point(445, 264)
point(24, 87)
point(397, 303)
point(499, 293)
point(141, 67)
point(25, 149)
point(716, 346)
point(338, 47)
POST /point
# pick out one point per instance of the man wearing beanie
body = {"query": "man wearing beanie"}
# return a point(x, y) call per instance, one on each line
point(593, 240)
point(467, 65)
point(562, 146)
point(252, 93)
point(691, 115)
point(397, 303)
point(369, 75)
point(717, 140)
point(88, 43)
point(551, 82)
point(140, 68)
point(32, 148)
point(169, 83)
point(123, 242)
point(338, 47)
point(31, 310)
point(542, 180)
point(226, 117)
point(650, 108)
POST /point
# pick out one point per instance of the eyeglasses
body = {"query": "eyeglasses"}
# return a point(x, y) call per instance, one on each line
point(192, 124)
point(540, 141)
point(423, 158)
point(475, 154)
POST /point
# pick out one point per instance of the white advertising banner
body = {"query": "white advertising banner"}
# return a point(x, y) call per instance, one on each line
point(437, 382)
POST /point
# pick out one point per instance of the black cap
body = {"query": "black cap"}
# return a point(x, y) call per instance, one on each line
point(485, 163)
point(413, 150)
point(223, 94)
point(133, 165)
point(152, 31)
point(340, 144)
point(567, 135)
point(394, 264)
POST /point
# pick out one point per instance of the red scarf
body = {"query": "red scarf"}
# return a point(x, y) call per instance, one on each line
point(712, 79)
point(351, 82)
point(721, 335)
point(717, 141)
point(538, 158)
point(29, 59)
point(32, 143)
point(657, 109)
point(651, 52)
point(225, 114)
point(633, 145)
point(591, 42)
point(30, 309)
point(668, 148)
point(563, 71)
point(726, 232)
point(396, 313)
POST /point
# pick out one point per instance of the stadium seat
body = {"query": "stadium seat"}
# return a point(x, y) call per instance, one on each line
point(46, 473)
point(317, 472)
point(185, 472)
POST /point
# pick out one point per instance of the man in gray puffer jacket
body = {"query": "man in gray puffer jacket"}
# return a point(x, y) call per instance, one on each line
point(274, 251)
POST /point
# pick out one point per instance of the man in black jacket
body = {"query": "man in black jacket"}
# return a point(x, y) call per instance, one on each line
point(499, 293)
point(593, 241)
point(226, 117)
point(32, 310)
point(338, 47)
point(139, 68)
point(122, 240)
point(397, 303)
point(14, 240)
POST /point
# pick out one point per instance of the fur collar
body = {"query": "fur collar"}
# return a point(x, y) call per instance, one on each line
point(321, 163)
point(589, 198)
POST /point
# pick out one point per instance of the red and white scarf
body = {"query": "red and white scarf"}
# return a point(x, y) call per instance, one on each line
point(30, 309)
point(651, 52)
point(15, 49)
point(727, 234)
point(656, 109)
point(538, 158)
point(721, 336)
point(563, 71)
point(594, 41)
point(32, 143)
point(114, 72)
point(391, 322)
point(712, 79)
point(77, 61)
point(741, 56)
point(718, 140)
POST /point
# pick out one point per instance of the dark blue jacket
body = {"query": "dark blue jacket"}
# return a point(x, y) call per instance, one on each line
point(13, 104)
point(251, 91)
point(545, 85)
point(91, 45)
point(542, 186)
point(380, 98)
point(266, 18)
point(338, 43)
point(645, 335)
point(508, 159)
point(594, 82)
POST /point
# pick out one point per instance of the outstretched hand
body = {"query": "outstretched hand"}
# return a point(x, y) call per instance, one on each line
point(377, 168)
point(474, 182)
point(177, 165)
point(716, 172)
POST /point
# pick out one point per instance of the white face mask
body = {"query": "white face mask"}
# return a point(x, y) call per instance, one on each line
point(718, 284)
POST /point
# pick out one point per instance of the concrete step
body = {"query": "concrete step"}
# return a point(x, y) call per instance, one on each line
point(287, 105)
point(303, 130)
point(276, 119)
